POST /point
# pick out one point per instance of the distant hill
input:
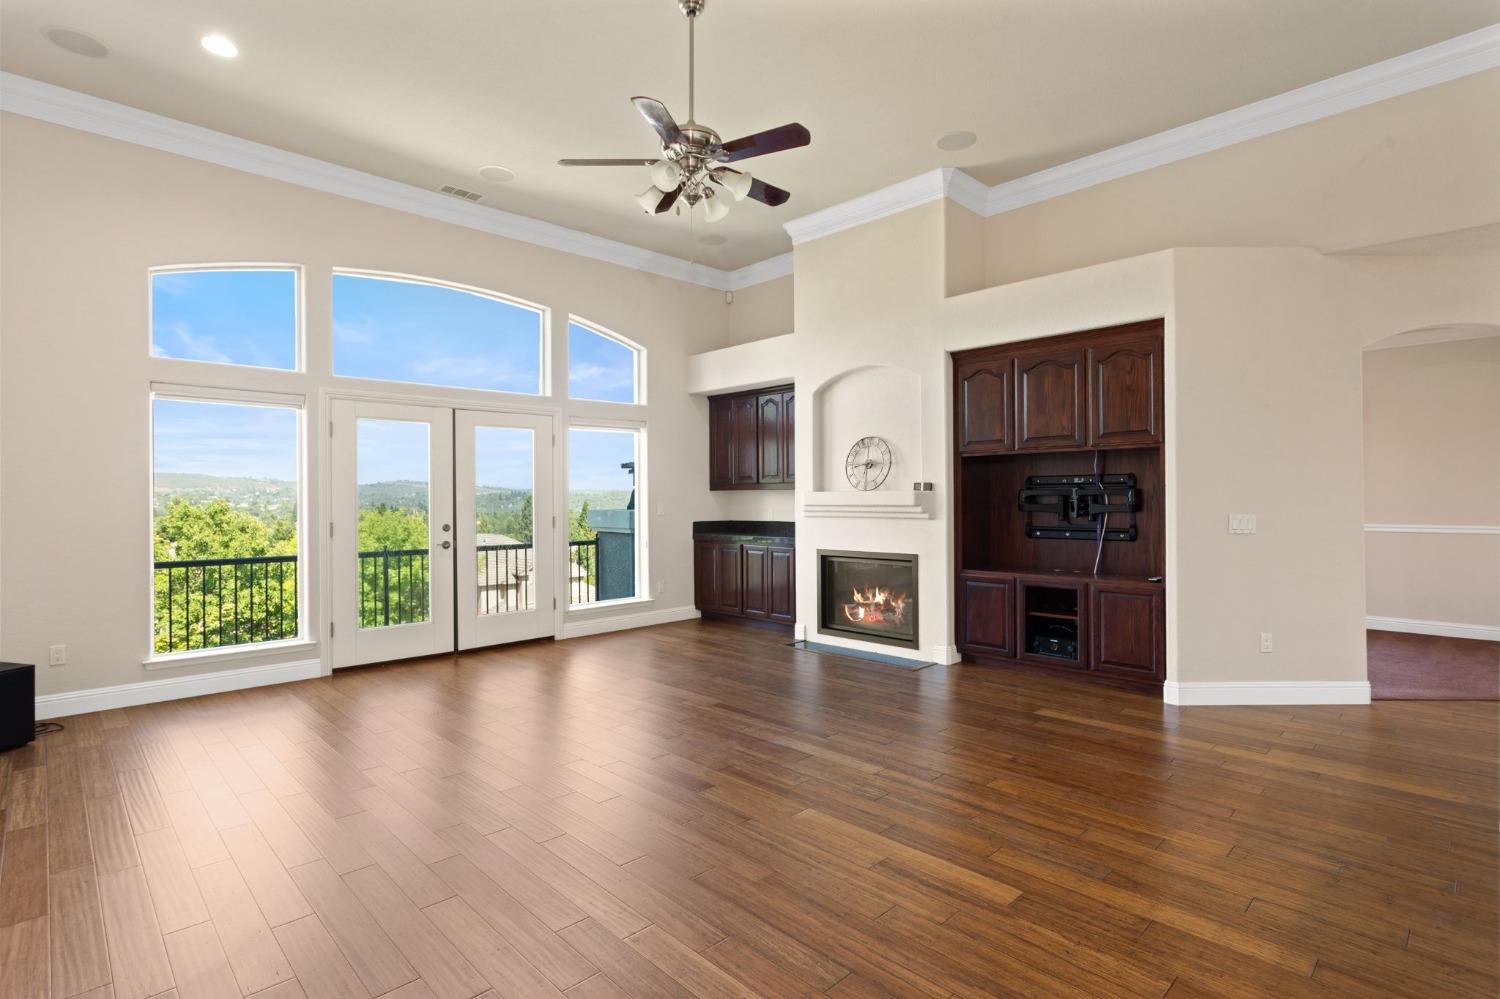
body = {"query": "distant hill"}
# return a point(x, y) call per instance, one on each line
point(276, 499)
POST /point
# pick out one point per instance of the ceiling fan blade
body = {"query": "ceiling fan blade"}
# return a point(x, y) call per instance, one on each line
point(767, 194)
point(670, 200)
point(605, 162)
point(772, 140)
point(660, 118)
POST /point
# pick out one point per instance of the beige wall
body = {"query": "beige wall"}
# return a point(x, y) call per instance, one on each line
point(1431, 414)
point(83, 218)
point(759, 311)
point(1414, 165)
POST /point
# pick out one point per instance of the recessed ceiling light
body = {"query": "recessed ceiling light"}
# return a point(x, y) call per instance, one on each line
point(220, 45)
point(498, 174)
point(713, 239)
point(954, 141)
point(76, 42)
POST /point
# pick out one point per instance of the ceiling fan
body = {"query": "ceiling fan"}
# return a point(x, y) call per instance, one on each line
point(692, 164)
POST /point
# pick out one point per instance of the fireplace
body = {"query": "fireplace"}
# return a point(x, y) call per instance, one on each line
point(869, 596)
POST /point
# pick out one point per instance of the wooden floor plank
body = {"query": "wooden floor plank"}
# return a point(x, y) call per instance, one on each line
point(699, 809)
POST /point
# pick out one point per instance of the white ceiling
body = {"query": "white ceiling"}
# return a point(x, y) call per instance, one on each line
point(428, 91)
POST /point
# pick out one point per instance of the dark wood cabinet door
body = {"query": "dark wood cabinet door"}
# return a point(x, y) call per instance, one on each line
point(770, 438)
point(755, 574)
point(1050, 400)
point(985, 406)
point(782, 588)
point(720, 442)
point(1128, 625)
point(1125, 392)
point(744, 460)
point(729, 572)
point(788, 438)
point(705, 576)
point(987, 614)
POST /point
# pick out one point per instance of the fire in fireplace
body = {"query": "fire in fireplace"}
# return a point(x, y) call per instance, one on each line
point(868, 595)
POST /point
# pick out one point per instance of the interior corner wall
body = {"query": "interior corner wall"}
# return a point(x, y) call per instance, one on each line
point(1265, 420)
point(82, 218)
point(1431, 462)
point(759, 311)
point(1415, 165)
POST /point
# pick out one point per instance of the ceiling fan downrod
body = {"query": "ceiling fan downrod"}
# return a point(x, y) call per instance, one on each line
point(690, 10)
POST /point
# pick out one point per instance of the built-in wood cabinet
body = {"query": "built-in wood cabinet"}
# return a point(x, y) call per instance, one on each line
point(1062, 394)
point(750, 440)
point(754, 579)
point(1071, 410)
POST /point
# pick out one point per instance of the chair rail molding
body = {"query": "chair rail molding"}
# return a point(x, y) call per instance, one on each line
point(1432, 529)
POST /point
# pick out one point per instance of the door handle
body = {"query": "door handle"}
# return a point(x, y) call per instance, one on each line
point(447, 544)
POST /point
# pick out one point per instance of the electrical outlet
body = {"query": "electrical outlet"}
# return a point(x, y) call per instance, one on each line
point(661, 587)
point(57, 655)
point(1242, 523)
point(1265, 641)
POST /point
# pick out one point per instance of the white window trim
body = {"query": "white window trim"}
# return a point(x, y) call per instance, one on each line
point(299, 283)
point(241, 397)
point(643, 577)
point(544, 347)
point(638, 354)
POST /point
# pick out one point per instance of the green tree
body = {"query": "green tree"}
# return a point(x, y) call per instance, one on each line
point(578, 528)
point(205, 606)
point(383, 528)
point(393, 589)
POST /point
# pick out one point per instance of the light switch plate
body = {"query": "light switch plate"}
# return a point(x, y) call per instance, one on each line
point(1242, 523)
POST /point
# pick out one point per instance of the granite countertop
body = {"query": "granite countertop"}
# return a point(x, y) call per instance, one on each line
point(783, 529)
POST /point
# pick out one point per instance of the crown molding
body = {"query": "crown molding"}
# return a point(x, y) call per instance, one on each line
point(60, 106)
point(1474, 52)
point(757, 273)
point(934, 185)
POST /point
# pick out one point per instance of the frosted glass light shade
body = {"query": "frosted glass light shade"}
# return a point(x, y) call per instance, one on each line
point(715, 208)
point(650, 198)
point(737, 184)
point(666, 175)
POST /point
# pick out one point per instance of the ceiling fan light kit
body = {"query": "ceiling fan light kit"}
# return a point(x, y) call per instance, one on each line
point(691, 167)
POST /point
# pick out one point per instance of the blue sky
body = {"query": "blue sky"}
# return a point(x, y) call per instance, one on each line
point(594, 458)
point(598, 367)
point(210, 438)
point(503, 456)
point(239, 317)
point(402, 331)
point(391, 450)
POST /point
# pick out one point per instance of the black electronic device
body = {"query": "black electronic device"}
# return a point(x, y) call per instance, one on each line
point(1076, 505)
point(1057, 639)
point(17, 704)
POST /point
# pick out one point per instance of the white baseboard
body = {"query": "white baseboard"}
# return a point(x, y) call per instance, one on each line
point(947, 655)
point(128, 695)
point(1267, 692)
point(1479, 632)
point(620, 622)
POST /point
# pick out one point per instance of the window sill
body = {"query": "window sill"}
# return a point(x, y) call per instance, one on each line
point(234, 653)
point(610, 604)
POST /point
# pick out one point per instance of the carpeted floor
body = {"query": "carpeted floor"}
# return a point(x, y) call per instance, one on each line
point(1428, 668)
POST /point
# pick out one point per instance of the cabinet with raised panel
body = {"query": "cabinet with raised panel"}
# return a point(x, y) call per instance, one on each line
point(750, 440)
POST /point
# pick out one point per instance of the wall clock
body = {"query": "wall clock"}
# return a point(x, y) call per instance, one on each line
point(868, 464)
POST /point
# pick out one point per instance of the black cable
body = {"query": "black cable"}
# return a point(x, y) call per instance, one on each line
point(1101, 521)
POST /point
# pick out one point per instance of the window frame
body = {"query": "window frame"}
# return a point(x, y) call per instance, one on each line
point(638, 358)
point(544, 332)
point(642, 507)
point(304, 638)
point(299, 296)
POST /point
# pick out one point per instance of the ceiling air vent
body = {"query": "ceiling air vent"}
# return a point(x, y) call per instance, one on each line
point(459, 192)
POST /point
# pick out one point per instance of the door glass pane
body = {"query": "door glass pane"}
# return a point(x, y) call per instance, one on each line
point(392, 466)
point(504, 459)
point(602, 540)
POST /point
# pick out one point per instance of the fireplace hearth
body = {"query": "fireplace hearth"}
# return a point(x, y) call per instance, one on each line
point(871, 596)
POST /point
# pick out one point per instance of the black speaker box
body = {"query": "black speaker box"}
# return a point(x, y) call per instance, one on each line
point(17, 704)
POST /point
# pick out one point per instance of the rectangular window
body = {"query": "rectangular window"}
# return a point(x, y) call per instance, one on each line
point(225, 542)
point(406, 330)
point(603, 541)
point(245, 316)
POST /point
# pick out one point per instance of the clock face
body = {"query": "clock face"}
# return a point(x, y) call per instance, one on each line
point(868, 464)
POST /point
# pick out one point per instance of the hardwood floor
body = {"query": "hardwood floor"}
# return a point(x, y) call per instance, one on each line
point(699, 810)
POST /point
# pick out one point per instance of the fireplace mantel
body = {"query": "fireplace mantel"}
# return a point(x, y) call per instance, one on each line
point(884, 504)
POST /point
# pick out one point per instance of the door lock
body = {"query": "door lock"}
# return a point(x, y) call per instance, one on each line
point(445, 528)
point(447, 544)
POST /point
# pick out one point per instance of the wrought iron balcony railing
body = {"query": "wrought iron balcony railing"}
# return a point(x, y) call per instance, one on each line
point(219, 602)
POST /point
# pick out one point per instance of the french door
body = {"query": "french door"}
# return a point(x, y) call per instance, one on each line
point(441, 530)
